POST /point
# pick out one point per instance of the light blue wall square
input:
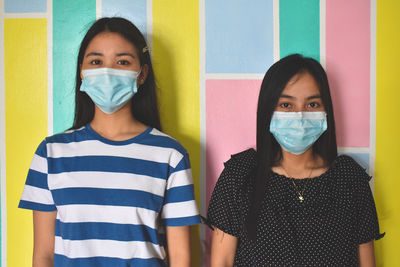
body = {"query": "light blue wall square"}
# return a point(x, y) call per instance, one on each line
point(25, 6)
point(239, 36)
point(135, 11)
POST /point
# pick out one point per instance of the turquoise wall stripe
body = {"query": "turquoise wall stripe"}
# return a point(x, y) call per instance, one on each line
point(299, 27)
point(71, 20)
point(135, 11)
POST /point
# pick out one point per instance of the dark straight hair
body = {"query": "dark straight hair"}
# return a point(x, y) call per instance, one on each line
point(269, 151)
point(144, 106)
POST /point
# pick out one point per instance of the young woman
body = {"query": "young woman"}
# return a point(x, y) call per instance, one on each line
point(294, 201)
point(113, 190)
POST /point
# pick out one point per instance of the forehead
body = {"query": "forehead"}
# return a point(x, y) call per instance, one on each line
point(110, 42)
point(301, 84)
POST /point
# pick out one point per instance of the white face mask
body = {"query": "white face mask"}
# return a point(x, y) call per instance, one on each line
point(297, 131)
point(110, 89)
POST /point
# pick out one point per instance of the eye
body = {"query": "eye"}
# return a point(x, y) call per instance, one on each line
point(123, 62)
point(314, 105)
point(95, 62)
point(285, 105)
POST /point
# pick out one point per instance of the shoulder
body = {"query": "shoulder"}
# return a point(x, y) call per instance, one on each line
point(65, 137)
point(238, 167)
point(160, 139)
point(69, 136)
point(243, 161)
point(237, 173)
point(169, 147)
point(350, 170)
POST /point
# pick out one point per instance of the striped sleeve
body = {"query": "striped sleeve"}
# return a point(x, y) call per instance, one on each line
point(180, 207)
point(36, 194)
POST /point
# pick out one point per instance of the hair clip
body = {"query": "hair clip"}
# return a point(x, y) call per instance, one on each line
point(145, 49)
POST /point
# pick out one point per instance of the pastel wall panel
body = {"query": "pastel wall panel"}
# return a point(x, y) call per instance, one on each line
point(231, 107)
point(230, 122)
point(71, 20)
point(387, 168)
point(25, 50)
point(176, 66)
point(24, 6)
point(237, 33)
point(348, 68)
point(135, 11)
point(299, 27)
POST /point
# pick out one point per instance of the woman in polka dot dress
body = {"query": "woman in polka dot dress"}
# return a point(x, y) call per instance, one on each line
point(293, 201)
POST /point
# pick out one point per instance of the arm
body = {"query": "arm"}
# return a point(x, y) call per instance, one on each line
point(223, 249)
point(178, 241)
point(44, 231)
point(366, 254)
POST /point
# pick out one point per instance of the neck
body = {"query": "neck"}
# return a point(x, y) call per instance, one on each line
point(120, 125)
point(304, 160)
point(300, 166)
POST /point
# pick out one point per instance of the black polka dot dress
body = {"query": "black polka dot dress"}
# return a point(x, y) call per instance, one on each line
point(338, 213)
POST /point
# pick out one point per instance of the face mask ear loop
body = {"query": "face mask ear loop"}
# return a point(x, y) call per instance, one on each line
point(138, 83)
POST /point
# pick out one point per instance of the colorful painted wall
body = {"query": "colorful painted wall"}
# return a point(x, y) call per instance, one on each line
point(209, 57)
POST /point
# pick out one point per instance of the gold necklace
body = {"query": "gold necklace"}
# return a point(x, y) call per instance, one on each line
point(300, 193)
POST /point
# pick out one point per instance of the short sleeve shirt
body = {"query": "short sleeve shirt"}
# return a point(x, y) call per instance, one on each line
point(113, 198)
point(338, 213)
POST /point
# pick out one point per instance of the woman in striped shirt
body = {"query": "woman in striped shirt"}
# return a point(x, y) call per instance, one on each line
point(113, 190)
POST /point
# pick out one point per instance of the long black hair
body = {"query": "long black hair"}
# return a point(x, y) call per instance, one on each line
point(269, 151)
point(144, 106)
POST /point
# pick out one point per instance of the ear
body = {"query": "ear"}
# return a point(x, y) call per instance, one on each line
point(143, 74)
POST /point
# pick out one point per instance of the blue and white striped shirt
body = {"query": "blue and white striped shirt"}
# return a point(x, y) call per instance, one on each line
point(113, 198)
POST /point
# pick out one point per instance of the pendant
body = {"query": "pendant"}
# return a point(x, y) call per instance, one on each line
point(301, 198)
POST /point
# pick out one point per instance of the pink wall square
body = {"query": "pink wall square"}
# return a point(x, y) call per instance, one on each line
point(348, 68)
point(230, 122)
point(231, 107)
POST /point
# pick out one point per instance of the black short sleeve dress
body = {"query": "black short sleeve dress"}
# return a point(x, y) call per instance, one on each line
point(338, 213)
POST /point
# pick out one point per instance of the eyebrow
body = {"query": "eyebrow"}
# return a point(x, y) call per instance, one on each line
point(125, 54)
point(308, 98)
point(118, 55)
point(314, 96)
point(94, 54)
point(287, 96)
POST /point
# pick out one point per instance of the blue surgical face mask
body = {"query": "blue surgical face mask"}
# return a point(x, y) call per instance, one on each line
point(109, 89)
point(297, 131)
